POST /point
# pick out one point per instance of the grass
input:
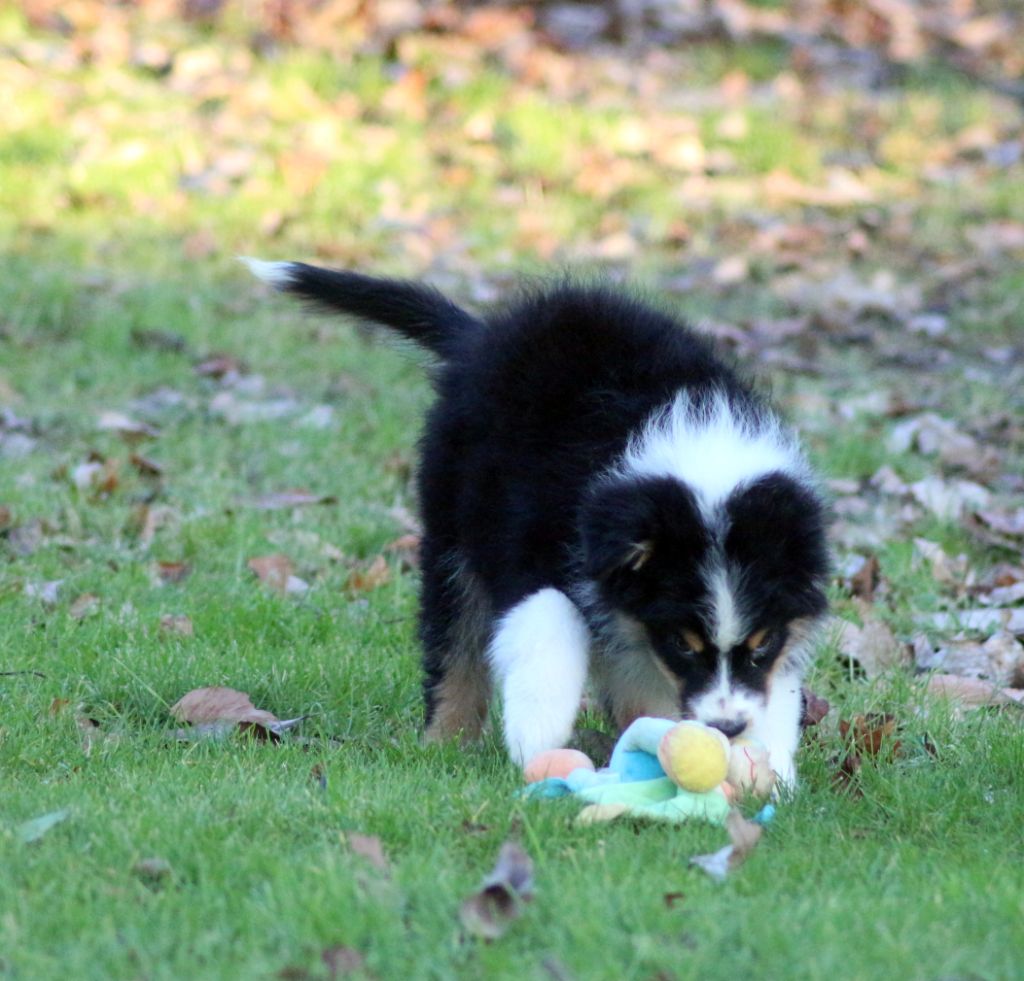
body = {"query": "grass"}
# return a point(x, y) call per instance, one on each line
point(118, 220)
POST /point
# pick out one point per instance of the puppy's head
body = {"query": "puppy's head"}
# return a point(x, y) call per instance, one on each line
point(726, 593)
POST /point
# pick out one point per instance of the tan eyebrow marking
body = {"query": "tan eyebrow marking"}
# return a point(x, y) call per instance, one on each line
point(755, 640)
point(693, 641)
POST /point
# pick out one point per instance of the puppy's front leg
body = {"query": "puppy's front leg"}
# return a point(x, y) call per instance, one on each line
point(539, 656)
point(779, 727)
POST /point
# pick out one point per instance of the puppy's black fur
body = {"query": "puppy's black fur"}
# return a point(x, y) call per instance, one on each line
point(537, 474)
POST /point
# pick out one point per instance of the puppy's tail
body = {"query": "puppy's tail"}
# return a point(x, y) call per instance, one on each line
point(418, 312)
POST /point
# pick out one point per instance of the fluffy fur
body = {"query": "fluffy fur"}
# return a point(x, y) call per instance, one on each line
point(601, 496)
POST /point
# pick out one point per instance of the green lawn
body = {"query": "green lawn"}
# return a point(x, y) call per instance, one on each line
point(124, 196)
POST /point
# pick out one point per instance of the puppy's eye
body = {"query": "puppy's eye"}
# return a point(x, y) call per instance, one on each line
point(760, 643)
point(689, 642)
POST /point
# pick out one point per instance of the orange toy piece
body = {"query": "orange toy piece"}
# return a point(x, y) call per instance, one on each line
point(556, 763)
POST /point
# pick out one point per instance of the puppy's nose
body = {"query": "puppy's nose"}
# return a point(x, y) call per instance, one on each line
point(728, 727)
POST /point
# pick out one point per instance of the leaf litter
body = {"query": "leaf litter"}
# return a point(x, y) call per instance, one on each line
point(499, 902)
point(217, 712)
point(744, 836)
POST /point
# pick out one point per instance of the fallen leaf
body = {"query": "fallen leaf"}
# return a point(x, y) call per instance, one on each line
point(152, 870)
point(1005, 522)
point(743, 837)
point(33, 830)
point(368, 847)
point(815, 708)
point(340, 961)
point(219, 704)
point(873, 646)
point(407, 548)
point(999, 659)
point(145, 466)
point(973, 692)
point(218, 365)
point(977, 619)
point(277, 573)
point(373, 576)
point(46, 592)
point(282, 500)
point(1003, 595)
point(129, 429)
point(864, 581)
point(945, 570)
point(84, 606)
point(949, 499)
point(871, 733)
point(491, 910)
point(177, 623)
point(171, 572)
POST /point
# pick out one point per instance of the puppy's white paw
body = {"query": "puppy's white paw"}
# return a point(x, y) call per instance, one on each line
point(539, 653)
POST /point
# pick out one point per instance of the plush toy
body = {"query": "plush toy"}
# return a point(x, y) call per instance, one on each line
point(660, 769)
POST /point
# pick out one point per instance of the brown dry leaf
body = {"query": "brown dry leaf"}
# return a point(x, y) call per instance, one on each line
point(373, 576)
point(5, 517)
point(949, 500)
point(129, 429)
point(973, 692)
point(177, 623)
point(277, 572)
point(873, 646)
point(981, 619)
point(815, 708)
point(152, 870)
point(282, 500)
point(871, 733)
point(96, 476)
point(217, 366)
point(219, 704)
point(491, 910)
point(999, 659)
point(84, 606)
point(865, 580)
point(1004, 521)
point(407, 548)
point(931, 434)
point(340, 960)
point(145, 466)
point(743, 838)
point(945, 570)
point(93, 735)
point(369, 847)
point(171, 572)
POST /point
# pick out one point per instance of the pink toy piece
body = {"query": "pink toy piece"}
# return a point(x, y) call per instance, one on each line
point(556, 763)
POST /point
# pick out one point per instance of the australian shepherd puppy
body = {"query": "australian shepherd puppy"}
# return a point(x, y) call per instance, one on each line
point(602, 497)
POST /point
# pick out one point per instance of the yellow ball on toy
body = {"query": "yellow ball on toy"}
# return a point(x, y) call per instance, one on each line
point(694, 756)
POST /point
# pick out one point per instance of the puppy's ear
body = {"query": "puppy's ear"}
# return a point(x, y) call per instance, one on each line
point(626, 525)
point(777, 532)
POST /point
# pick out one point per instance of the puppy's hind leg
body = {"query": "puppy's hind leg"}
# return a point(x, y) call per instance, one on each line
point(454, 627)
point(539, 655)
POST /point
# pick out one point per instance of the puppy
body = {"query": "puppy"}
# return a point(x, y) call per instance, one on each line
point(601, 497)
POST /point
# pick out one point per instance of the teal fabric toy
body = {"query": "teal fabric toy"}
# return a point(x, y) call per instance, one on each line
point(660, 770)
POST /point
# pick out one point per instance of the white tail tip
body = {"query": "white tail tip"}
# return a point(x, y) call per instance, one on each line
point(276, 274)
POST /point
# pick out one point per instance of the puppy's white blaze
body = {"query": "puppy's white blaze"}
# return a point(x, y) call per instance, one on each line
point(712, 447)
point(539, 656)
point(728, 627)
point(276, 274)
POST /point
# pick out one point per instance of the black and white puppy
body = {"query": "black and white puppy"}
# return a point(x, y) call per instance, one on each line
point(601, 496)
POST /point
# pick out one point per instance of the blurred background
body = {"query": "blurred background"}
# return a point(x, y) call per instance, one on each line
point(833, 189)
